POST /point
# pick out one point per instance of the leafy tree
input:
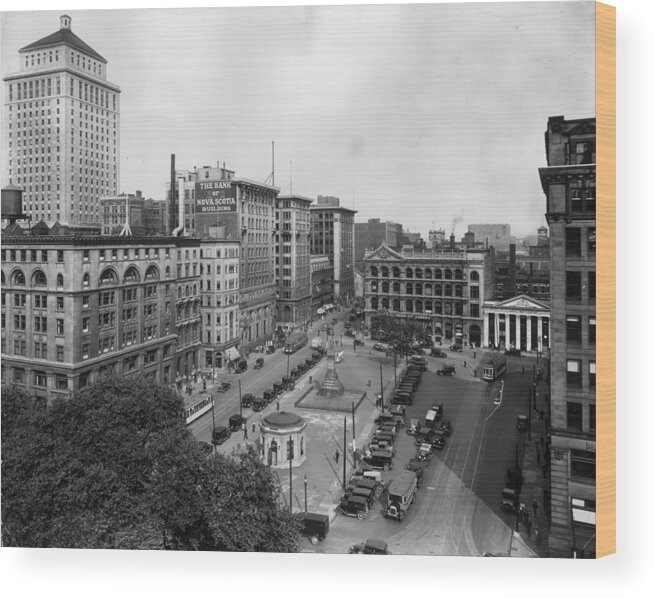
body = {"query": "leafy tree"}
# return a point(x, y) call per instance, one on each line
point(114, 467)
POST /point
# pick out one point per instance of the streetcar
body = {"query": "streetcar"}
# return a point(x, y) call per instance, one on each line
point(193, 412)
point(493, 366)
point(296, 341)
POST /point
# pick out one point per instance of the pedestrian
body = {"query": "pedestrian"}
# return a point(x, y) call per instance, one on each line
point(253, 428)
point(464, 363)
point(535, 507)
point(537, 537)
point(277, 405)
point(245, 432)
point(336, 456)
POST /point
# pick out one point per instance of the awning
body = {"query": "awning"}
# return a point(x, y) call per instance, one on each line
point(320, 310)
point(232, 354)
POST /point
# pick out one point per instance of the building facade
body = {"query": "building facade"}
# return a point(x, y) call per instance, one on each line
point(62, 124)
point(322, 287)
point(219, 302)
point(74, 307)
point(517, 323)
point(370, 235)
point(569, 183)
point(292, 252)
point(497, 236)
point(131, 213)
point(333, 234)
point(443, 289)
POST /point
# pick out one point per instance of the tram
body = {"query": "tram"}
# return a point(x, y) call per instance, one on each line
point(493, 366)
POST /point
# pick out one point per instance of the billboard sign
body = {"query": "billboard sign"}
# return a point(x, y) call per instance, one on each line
point(215, 196)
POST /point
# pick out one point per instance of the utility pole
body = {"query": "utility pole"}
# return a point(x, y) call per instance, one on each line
point(345, 452)
point(381, 391)
point(291, 477)
point(240, 404)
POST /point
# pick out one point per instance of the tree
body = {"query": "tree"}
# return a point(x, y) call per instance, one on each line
point(114, 467)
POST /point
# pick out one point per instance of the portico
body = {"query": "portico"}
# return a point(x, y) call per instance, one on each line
point(519, 323)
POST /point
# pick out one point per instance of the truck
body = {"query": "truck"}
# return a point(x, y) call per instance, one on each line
point(402, 493)
point(317, 343)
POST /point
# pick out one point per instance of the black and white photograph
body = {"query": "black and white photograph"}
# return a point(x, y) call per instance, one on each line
point(300, 279)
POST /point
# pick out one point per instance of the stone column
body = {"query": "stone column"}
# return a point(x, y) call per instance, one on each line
point(485, 334)
point(517, 343)
point(497, 328)
point(528, 337)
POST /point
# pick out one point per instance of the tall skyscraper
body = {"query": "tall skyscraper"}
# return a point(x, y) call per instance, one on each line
point(62, 123)
point(569, 182)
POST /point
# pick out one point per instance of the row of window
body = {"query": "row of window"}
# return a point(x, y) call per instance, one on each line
point(418, 288)
point(40, 324)
point(574, 374)
point(574, 329)
point(429, 273)
point(574, 245)
point(425, 307)
point(581, 285)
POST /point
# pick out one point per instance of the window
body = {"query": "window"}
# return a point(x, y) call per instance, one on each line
point(592, 418)
point(61, 382)
point(40, 301)
point(574, 286)
point(85, 257)
point(60, 280)
point(592, 287)
point(60, 326)
point(574, 416)
point(19, 375)
point(573, 242)
point(60, 255)
point(574, 329)
point(592, 330)
point(60, 353)
point(85, 325)
point(40, 324)
point(40, 351)
point(591, 241)
point(85, 351)
point(19, 300)
point(40, 378)
point(475, 310)
point(573, 372)
point(583, 464)
point(475, 292)
point(60, 303)
point(592, 374)
point(85, 302)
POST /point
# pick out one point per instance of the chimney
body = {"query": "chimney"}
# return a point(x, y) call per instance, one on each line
point(452, 240)
point(172, 209)
point(138, 194)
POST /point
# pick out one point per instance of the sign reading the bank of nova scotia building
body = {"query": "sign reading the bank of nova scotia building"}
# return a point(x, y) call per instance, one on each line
point(215, 196)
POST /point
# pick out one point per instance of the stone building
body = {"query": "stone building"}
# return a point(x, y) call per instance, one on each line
point(443, 289)
point(569, 183)
point(63, 164)
point(322, 288)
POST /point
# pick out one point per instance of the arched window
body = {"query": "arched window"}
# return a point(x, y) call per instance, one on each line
point(385, 302)
point(396, 287)
point(418, 306)
point(427, 289)
point(18, 278)
point(85, 280)
point(374, 271)
point(385, 271)
point(447, 308)
point(459, 275)
point(458, 308)
point(108, 277)
point(458, 290)
point(374, 286)
point(396, 304)
point(39, 279)
point(438, 309)
point(475, 277)
point(179, 292)
point(438, 290)
point(3, 277)
point(396, 272)
point(449, 274)
point(60, 280)
point(385, 287)
point(448, 290)
point(535, 288)
point(409, 288)
point(437, 274)
point(418, 289)
point(152, 273)
point(168, 271)
point(131, 275)
point(409, 273)
point(418, 273)
point(543, 289)
point(428, 273)
point(409, 305)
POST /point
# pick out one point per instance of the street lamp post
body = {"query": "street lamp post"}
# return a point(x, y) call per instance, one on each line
point(240, 404)
point(291, 481)
point(305, 493)
point(288, 357)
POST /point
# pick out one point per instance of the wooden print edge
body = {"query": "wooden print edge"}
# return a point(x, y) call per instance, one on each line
point(606, 273)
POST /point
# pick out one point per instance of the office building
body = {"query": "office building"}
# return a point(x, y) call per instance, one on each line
point(497, 236)
point(371, 234)
point(569, 183)
point(62, 130)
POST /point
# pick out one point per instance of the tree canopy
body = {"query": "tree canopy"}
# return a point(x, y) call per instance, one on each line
point(114, 467)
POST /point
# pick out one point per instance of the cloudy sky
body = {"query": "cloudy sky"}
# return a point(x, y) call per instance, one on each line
point(428, 115)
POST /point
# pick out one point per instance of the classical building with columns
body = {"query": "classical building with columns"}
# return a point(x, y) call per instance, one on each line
point(518, 323)
point(444, 289)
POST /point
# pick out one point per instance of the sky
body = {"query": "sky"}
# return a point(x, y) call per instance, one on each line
point(428, 115)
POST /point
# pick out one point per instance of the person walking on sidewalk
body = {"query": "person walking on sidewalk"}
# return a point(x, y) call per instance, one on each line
point(336, 456)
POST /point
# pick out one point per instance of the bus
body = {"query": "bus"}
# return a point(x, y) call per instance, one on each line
point(493, 366)
point(296, 341)
point(193, 412)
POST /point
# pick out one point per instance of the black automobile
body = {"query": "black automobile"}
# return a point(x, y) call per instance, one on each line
point(370, 547)
point(247, 399)
point(438, 407)
point(513, 352)
point(314, 526)
point(379, 347)
point(436, 352)
point(278, 388)
point(359, 342)
point(241, 366)
point(514, 479)
point(288, 383)
point(220, 434)
point(423, 435)
point(446, 428)
point(448, 369)
point(236, 422)
point(259, 404)
point(437, 439)
point(268, 395)
point(418, 467)
point(270, 349)
point(223, 387)
point(259, 364)
point(368, 494)
point(379, 460)
point(309, 364)
point(354, 506)
point(294, 374)
point(456, 348)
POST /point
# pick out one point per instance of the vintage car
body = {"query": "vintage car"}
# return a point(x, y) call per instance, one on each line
point(513, 352)
point(354, 506)
point(456, 348)
point(367, 493)
point(418, 467)
point(446, 427)
point(223, 387)
point(259, 404)
point(259, 363)
point(522, 422)
point(437, 439)
point(278, 388)
point(379, 460)
point(359, 342)
point(314, 526)
point(447, 369)
point(424, 452)
point(436, 352)
point(379, 347)
point(288, 383)
point(247, 399)
point(370, 547)
point(508, 499)
point(269, 395)
point(413, 427)
point(514, 478)
point(438, 407)
point(220, 434)
point(236, 422)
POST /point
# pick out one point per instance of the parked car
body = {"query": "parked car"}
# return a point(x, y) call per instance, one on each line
point(259, 364)
point(236, 422)
point(370, 547)
point(247, 399)
point(314, 526)
point(424, 452)
point(436, 352)
point(259, 404)
point(446, 427)
point(438, 407)
point(288, 383)
point(269, 395)
point(437, 439)
point(513, 352)
point(456, 348)
point(241, 366)
point(278, 388)
point(359, 342)
point(223, 387)
point(418, 467)
point(379, 347)
point(508, 499)
point(514, 478)
point(379, 460)
point(522, 422)
point(354, 506)
point(220, 434)
point(447, 369)
point(270, 349)
point(294, 374)
point(413, 427)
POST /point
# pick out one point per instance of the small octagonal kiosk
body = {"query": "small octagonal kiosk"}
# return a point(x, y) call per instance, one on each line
point(283, 439)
